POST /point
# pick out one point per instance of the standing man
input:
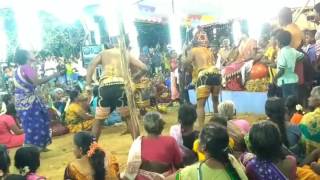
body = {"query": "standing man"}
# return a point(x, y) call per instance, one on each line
point(112, 94)
point(206, 76)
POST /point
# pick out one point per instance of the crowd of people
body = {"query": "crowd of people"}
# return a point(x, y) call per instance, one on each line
point(284, 146)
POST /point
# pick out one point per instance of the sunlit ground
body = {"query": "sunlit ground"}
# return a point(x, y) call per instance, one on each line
point(53, 163)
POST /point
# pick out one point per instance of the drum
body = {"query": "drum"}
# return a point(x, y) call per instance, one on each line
point(142, 93)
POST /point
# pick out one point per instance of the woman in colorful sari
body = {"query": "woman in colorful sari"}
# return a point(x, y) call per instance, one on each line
point(31, 111)
point(153, 156)
point(219, 163)
point(310, 123)
point(92, 163)
point(268, 160)
point(235, 73)
point(77, 118)
point(184, 133)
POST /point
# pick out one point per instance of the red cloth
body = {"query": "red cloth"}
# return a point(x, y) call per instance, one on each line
point(163, 149)
point(6, 137)
point(299, 72)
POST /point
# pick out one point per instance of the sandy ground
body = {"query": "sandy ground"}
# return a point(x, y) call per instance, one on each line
point(53, 163)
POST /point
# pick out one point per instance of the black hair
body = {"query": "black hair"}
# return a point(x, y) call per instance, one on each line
point(285, 16)
point(317, 8)
point(95, 91)
point(11, 110)
point(84, 140)
point(73, 94)
point(284, 38)
point(220, 120)
point(27, 157)
point(265, 140)
point(187, 115)
point(214, 139)
point(7, 98)
point(15, 177)
point(291, 103)
point(275, 110)
point(4, 160)
point(21, 57)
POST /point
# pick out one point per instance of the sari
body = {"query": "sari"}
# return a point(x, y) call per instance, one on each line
point(310, 129)
point(74, 170)
point(134, 163)
point(235, 74)
point(31, 110)
point(201, 171)
point(74, 122)
point(306, 173)
point(262, 169)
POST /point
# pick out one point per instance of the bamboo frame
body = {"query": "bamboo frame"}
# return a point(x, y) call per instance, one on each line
point(133, 122)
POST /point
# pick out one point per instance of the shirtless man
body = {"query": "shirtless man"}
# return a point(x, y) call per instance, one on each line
point(112, 94)
point(205, 75)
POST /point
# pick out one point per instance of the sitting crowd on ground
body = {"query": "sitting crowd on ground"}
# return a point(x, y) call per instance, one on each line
point(226, 148)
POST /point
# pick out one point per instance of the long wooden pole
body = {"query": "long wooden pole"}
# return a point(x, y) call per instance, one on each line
point(133, 122)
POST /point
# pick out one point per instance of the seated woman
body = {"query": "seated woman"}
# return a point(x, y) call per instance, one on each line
point(184, 133)
point(219, 163)
point(268, 160)
point(27, 161)
point(77, 117)
point(4, 162)
point(290, 134)
point(294, 110)
point(310, 123)
point(215, 119)
point(92, 161)
point(153, 156)
point(237, 128)
point(11, 134)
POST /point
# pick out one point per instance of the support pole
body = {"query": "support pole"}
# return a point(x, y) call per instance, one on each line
point(133, 121)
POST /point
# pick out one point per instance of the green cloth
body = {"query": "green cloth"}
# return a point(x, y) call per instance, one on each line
point(286, 60)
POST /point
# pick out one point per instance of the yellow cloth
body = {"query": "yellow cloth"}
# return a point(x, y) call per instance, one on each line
point(76, 171)
point(296, 35)
point(74, 122)
point(306, 173)
point(271, 54)
point(202, 156)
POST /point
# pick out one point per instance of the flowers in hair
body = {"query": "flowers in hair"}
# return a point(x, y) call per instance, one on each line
point(93, 147)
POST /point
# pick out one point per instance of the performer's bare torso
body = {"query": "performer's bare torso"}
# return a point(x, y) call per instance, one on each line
point(111, 63)
point(201, 58)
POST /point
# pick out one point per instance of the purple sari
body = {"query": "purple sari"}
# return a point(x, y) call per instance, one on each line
point(30, 109)
point(261, 169)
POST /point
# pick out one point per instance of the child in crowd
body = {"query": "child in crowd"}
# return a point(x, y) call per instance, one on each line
point(184, 133)
point(294, 110)
point(4, 162)
point(92, 161)
point(310, 45)
point(268, 160)
point(286, 78)
point(27, 161)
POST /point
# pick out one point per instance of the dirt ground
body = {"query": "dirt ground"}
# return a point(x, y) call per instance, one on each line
point(54, 162)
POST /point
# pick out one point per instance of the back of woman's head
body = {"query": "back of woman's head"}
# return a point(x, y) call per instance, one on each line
point(291, 103)
point(4, 161)
point(27, 160)
point(265, 140)
point(153, 123)
point(22, 56)
point(214, 140)
point(275, 110)
point(88, 146)
point(314, 99)
point(187, 115)
point(227, 109)
point(73, 94)
point(219, 119)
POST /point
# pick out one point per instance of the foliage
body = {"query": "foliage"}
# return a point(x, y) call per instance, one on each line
point(60, 39)
point(10, 29)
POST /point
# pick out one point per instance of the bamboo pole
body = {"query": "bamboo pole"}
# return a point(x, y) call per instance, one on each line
point(133, 122)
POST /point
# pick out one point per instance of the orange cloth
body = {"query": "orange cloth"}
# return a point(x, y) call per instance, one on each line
point(306, 173)
point(296, 118)
point(296, 35)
